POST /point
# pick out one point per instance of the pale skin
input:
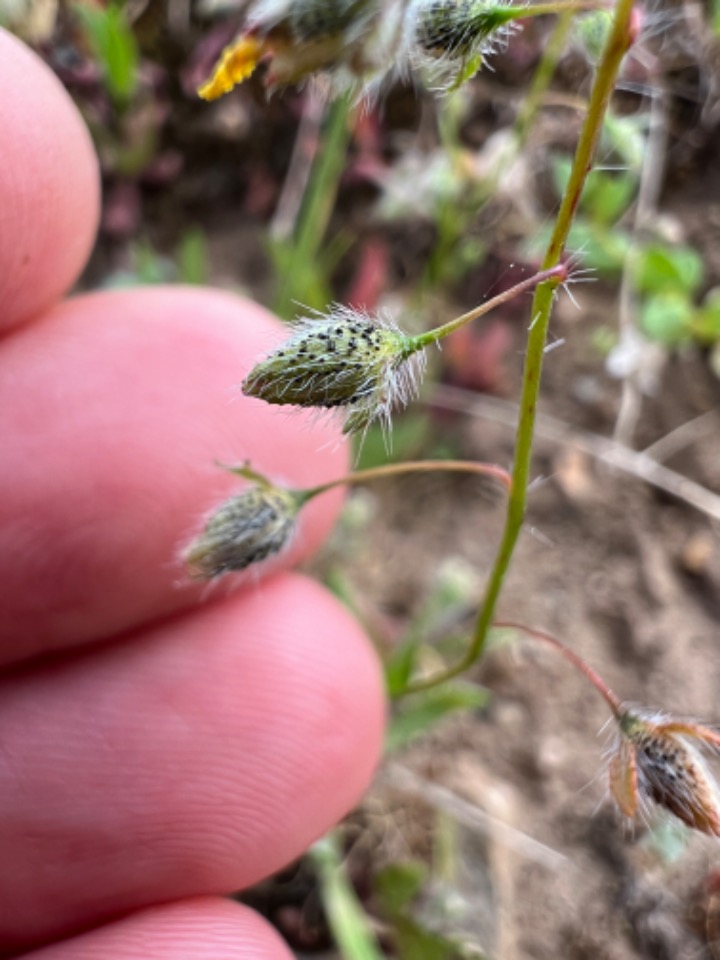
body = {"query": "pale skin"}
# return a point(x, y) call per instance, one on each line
point(159, 748)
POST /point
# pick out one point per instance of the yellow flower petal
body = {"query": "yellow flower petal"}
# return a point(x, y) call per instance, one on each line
point(237, 63)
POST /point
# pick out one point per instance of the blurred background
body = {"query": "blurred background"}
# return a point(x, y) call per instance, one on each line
point(489, 832)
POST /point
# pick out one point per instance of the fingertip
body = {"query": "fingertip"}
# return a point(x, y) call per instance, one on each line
point(119, 408)
point(49, 186)
point(195, 758)
point(204, 928)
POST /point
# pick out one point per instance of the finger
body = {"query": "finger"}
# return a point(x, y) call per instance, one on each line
point(195, 759)
point(202, 929)
point(113, 414)
point(49, 186)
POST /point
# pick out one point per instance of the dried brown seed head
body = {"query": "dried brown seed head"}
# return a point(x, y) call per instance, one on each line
point(659, 759)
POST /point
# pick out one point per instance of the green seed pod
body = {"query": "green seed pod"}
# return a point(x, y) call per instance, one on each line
point(246, 529)
point(346, 359)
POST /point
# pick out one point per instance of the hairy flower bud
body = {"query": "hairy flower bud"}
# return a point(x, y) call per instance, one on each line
point(657, 759)
point(348, 360)
point(456, 27)
point(246, 529)
point(314, 19)
point(453, 37)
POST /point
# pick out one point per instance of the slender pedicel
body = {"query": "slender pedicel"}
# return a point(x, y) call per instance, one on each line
point(260, 521)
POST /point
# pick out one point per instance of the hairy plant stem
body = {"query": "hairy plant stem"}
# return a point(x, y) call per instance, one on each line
point(612, 700)
point(618, 42)
point(359, 477)
point(559, 273)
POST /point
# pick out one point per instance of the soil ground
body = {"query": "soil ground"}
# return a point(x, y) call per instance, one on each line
point(608, 564)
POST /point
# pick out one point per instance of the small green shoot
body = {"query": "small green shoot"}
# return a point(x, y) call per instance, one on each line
point(667, 318)
point(192, 258)
point(115, 48)
point(420, 902)
point(419, 714)
point(664, 269)
point(398, 884)
point(592, 31)
point(346, 916)
point(149, 267)
point(715, 16)
point(668, 279)
point(304, 261)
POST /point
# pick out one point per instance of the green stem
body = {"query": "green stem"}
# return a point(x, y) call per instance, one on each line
point(559, 273)
point(542, 9)
point(378, 473)
point(618, 42)
point(319, 199)
point(317, 204)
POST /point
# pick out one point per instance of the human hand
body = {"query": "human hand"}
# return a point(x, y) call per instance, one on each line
point(156, 751)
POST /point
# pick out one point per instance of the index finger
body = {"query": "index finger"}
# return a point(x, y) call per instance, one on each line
point(114, 410)
point(49, 186)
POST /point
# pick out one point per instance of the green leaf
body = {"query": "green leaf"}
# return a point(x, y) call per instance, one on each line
point(662, 268)
point(113, 44)
point(715, 16)
point(299, 260)
point(626, 136)
point(603, 248)
point(470, 252)
point(345, 914)
point(399, 667)
point(397, 885)
point(668, 318)
point(149, 266)
point(592, 30)
point(192, 257)
point(422, 711)
point(415, 942)
point(607, 196)
point(299, 280)
point(706, 322)
point(395, 889)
